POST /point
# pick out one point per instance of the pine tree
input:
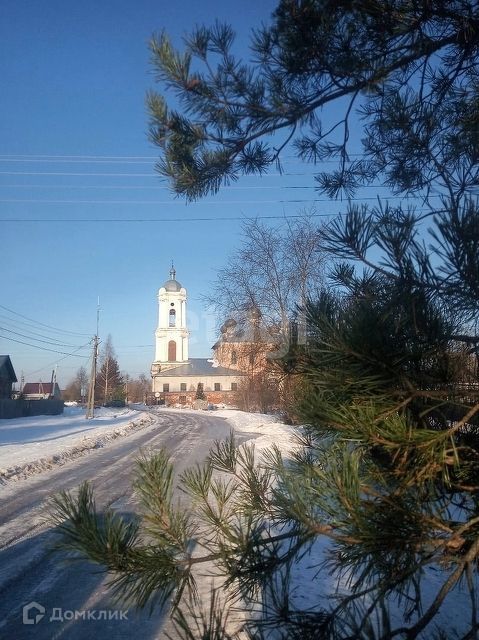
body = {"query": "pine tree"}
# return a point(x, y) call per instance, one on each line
point(110, 386)
point(388, 468)
point(200, 394)
point(408, 69)
point(391, 380)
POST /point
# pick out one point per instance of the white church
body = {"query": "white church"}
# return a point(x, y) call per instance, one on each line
point(175, 376)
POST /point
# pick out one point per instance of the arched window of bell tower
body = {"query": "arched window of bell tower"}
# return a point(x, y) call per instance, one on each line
point(171, 351)
point(172, 322)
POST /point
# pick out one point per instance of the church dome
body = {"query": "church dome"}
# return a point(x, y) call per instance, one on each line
point(172, 284)
point(228, 326)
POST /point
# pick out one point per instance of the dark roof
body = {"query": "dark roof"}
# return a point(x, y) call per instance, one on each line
point(39, 387)
point(6, 363)
point(198, 367)
point(247, 334)
point(249, 329)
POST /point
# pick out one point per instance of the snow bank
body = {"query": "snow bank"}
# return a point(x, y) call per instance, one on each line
point(313, 586)
point(271, 429)
point(38, 443)
point(265, 431)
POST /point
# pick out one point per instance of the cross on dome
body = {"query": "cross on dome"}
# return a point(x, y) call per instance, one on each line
point(172, 284)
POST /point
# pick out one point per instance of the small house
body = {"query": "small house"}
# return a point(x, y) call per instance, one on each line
point(7, 377)
point(41, 391)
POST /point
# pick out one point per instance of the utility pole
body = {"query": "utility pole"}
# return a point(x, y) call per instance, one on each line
point(107, 373)
point(90, 407)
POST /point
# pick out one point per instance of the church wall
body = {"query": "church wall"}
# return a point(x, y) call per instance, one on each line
point(166, 333)
point(250, 356)
point(179, 300)
point(192, 382)
point(162, 347)
point(187, 398)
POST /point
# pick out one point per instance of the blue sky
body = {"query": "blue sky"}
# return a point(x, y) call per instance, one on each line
point(82, 213)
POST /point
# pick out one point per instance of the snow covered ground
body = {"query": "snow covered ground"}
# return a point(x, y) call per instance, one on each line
point(314, 587)
point(272, 430)
point(38, 443)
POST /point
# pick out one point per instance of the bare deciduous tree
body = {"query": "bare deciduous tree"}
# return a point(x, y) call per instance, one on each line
point(75, 391)
point(138, 388)
point(274, 269)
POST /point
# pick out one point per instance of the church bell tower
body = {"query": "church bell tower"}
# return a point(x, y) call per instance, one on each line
point(171, 335)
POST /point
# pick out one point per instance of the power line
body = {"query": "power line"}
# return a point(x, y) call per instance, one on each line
point(168, 202)
point(179, 220)
point(176, 202)
point(76, 161)
point(74, 156)
point(55, 343)
point(279, 174)
point(166, 187)
point(15, 313)
point(45, 348)
point(145, 220)
point(135, 346)
point(50, 364)
point(69, 173)
point(30, 327)
point(91, 186)
point(27, 157)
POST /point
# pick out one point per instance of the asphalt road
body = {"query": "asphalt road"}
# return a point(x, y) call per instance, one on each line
point(30, 572)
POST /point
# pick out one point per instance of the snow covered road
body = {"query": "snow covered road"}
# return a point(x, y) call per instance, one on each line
point(30, 573)
point(28, 570)
point(43, 455)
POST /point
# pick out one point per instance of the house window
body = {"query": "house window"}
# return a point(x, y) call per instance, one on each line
point(234, 357)
point(166, 388)
point(217, 386)
point(183, 386)
point(234, 386)
point(182, 399)
point(172, 322)
point(171, 351)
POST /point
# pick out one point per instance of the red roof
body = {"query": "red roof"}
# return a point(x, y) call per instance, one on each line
point(38, 387)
